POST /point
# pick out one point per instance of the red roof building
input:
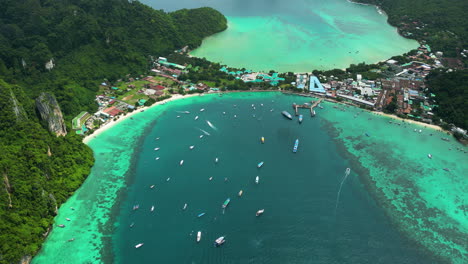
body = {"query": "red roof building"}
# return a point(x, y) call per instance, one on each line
point(112, 111)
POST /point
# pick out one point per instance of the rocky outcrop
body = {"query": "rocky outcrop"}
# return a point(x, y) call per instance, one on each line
point(7, 189)
point(26, 259)
point(50, 112)
point(17, 108)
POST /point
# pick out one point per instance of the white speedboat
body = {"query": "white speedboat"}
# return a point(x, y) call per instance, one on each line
point(181, 162)
point(216, 160)
point(219, 241)
point(240, 193)
point(152, 186)
point(260, 212)
point(168, 179)
point(198, 236)
point(192, 147)
point(196, 117)
point(257, 179)
point(152, 208)
point(157, 158)
point(156, 149)
point(211, 178)
point(185, 207)
point(138, 245)
point(429, 156)
point(203, 109)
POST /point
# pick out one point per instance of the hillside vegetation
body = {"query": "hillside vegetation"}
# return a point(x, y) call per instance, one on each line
point(85, 42)
point(441, 23)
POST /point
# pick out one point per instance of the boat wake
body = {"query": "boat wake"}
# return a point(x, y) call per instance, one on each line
point(211, 125)
point(204, 132)
point(347, 172)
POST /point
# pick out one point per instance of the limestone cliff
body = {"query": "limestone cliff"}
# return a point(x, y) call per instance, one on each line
point(50, 112)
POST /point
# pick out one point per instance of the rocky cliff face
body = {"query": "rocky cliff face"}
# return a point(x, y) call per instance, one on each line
point(50, 112)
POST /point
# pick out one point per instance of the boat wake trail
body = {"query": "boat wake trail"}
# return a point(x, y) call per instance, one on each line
point(211, 125)
point(204, 132)
point(348, 170)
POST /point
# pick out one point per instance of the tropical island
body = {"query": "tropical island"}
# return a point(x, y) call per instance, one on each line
point(63, 57)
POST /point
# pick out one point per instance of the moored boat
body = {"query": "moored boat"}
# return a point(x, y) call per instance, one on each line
point(296, 145)
point(201, 214)
point(152, 208)
point(260, 212)
point(429, 156)
point(185, 207)
point(219, 241)
point(312, 113)
point(191, 147)
point(196, 117)
point(240, 193)
point(139, 245)
point(263, 140)
point(257, 179)
point(136, 206)
point(300, 119)
point(287, 115)
point(226, 203)
point(260, 164)
point(198, 236)
point(181, 162)
point(216, 160)
point(62, 226)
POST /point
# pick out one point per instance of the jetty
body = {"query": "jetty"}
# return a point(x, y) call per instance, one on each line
point(311, 106)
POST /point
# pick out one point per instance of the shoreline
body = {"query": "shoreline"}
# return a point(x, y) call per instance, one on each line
point(411, 121)
point(113, 122)
point(110, 124)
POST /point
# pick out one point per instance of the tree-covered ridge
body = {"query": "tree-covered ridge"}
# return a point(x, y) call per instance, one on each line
point(90, 40)
point(38, 171)
point(451, 89)
point(442, 23)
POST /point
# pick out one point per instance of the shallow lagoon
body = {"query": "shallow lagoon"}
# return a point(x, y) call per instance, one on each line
point(296, 35)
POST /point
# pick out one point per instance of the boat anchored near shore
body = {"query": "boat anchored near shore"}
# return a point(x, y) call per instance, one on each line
point(259, 212)
point(226, 203)
point(219, 241)
point(260, 164)
point(296, 145)
point(287, 115)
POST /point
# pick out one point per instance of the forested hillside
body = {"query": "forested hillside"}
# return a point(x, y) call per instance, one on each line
point(451, 89)
point(66, 48)
point(442, 23)
point(89, 40)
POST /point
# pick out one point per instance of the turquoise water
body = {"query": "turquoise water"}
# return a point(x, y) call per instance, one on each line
point(296, 35)
point(396, 206)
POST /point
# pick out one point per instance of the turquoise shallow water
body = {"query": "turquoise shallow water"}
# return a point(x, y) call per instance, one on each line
point(396, 206)
point(297, 35)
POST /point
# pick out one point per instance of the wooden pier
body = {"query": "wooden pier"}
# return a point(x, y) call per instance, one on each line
point(311, 106)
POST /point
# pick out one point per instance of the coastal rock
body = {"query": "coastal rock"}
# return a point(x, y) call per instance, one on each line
point(25, 259)
point(50, 112)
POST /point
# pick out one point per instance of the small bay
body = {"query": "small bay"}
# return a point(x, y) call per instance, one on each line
point(297, 35)
point(391, 207)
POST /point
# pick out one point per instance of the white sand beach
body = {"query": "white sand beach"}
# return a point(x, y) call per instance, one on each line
point(128, 115)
